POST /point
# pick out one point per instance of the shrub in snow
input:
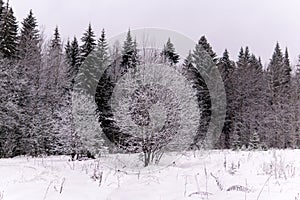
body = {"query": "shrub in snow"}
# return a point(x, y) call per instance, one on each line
point(238, 188)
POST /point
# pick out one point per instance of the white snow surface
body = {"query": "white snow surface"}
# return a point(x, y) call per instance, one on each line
point(273, 174)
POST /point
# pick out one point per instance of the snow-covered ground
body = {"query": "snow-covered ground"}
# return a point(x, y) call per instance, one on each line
point(213, 175)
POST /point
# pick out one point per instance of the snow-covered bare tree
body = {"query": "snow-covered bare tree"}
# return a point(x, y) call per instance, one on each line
point(149, 108)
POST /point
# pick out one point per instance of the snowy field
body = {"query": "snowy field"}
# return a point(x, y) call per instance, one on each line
point(211, 175)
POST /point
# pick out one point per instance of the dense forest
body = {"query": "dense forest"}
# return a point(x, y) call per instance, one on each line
point(39, 79)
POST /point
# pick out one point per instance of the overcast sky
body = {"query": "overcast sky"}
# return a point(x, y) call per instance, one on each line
point(226, 23)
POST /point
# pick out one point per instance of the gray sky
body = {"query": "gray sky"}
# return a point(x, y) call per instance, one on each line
point(226, 23)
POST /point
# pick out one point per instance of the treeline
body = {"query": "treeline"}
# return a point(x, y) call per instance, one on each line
point(36, 89)
point(38, 79)
point(262, 103)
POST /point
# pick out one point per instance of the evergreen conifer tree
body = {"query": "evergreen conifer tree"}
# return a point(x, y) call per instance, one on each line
point(68, 51)
point(188, 60)
point(56, 41)
point(130, 58)
point(8, 33)
point(204, 64)
point(73, 59)
point(207, 47)
point(226, 68)
point(29, 71)
point(102, 47)
point(89, 43)
point(287, 67)
point(243, 58)
point(169, 53)
point(30, 41)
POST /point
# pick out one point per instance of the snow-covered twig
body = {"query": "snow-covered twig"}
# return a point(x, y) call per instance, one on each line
point(200, 193)
point(220, 186)
point(263, 187)
point(47, 190)
point(62, 185)
point(206, 177)
point(196, 179)
point(100, 178)
point(239, 188)
point(185, 184)
point(246, 190)
point(2, 195)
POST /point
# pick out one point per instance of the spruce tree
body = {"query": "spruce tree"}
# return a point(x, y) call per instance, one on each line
point(225, 65)
point(30, 55)
point(204, 64)
point(226, 68)
point(169, 53)
point(73, 53)
point(94, 65)
point(127, 51)
point(30, 40)
point(130, 58)
point(89, 43)
point(277, 71)
point(192, 74)
point(73, 59)
point(279, 81)
point(8, 33)
point(56, 41)
point(188, 60)
point(55, 56)
point(68, 50)
point(249, 96)
point(241, 55)
point(287, 96)
point(207, 47)
point(243, 58)
point(55, 97)
point(255, 64)
point(102, 47)
point(287, 68)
